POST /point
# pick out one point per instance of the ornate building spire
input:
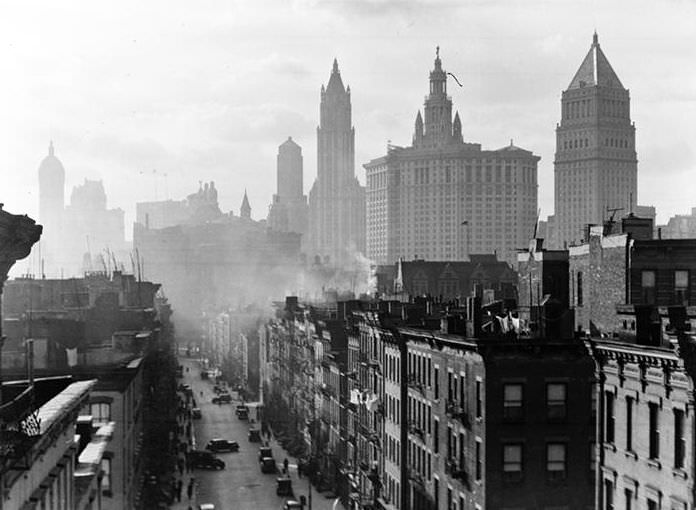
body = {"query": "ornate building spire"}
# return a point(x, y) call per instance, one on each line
point(418, 133)
point(245, 210)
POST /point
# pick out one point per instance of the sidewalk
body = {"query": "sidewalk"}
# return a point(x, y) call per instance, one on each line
point(186, 436)
point(300, 484)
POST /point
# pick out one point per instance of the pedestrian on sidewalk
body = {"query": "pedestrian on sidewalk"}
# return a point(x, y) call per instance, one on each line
point(285, 466)
point(189, 489)
point(179, 486)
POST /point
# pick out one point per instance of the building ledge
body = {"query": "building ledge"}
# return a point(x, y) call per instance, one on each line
point(655, 464)
point(631, 454)
point(679, 473)
point(610, 446)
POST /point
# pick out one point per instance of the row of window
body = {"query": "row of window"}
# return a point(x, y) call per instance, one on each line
point(556, 461)
point(656, 420)
point(680, 286)
point(556, 402)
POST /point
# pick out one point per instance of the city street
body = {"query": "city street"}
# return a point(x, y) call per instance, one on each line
point(241, 485)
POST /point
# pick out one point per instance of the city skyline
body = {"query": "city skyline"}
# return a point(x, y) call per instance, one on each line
point(210, 95)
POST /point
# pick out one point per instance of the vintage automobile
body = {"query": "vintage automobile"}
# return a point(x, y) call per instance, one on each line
point(254, 436)
point(222, 445)
point(222, 398)
point(268, 465)
point(265, 451)
point(284, 486)
point(196, 413)
point(206, 460)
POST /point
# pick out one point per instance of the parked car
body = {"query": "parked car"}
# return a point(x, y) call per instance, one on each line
point(222, 398)
point(218, 388)
point(206, 506)
point(284, 486)
point(292, 504)
point(206, 460)
point(265, 451)
point(196, 413)
point(268, 465)
point(254, 436)
point(243, 414)
point(222, 445)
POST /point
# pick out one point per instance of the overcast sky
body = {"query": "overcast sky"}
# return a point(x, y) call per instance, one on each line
point(154, 96)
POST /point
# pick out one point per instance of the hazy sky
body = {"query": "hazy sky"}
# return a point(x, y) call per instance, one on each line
point(154, 96)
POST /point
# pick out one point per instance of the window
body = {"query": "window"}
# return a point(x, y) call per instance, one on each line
point(629, 423)
point(579, 289)
point(512, 462)
point(679, 439)
point(512, 402)
point(654, 424)
point(681, 287)
point(436, 436)
point(556, 461)
point(647, 283)
point(556, 401)
point(652, 504)
point(479, 402)
point(101, 413)
point(609, 417)
point(437, 383)
point(608, 495)
point(479, 461)
point(628, 496)
point(106, 476)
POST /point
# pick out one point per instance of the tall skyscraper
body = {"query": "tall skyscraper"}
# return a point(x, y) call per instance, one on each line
point(442, 198)
point(337, 200)
point(288, 212)
point(596, 165)
point(51, 206)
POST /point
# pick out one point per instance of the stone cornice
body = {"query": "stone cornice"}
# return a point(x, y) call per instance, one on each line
point(17, 236)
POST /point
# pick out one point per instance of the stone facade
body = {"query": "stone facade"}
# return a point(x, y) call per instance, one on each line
point(443, 198)
point(336, 200)
point(645, 426)
point(288, 212)
point(595, 167)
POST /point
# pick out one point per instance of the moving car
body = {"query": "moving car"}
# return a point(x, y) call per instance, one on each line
point(196, 413)
point(243, 414)
point(284, 486)
point(206, 460)
point(254, 436)
point(265, 451)
point(241, 408)
point(268, 465)
point(222, 398)
point(222, 445)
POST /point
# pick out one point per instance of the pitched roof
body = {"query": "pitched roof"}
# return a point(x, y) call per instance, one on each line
point(335, 82)
point(595, 70)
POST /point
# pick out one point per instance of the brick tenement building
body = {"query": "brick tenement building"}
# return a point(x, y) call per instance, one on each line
point(619, 269)
point(645, 427)
point(498, 422)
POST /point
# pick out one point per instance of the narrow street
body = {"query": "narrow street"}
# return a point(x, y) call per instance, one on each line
point(241, 485)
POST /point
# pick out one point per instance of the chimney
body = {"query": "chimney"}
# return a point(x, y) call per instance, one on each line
point(648, 330)
point(473, 317)
point(291, 303)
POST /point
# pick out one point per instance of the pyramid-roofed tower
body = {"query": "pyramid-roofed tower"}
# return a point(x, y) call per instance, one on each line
point(596, 166)
point(595, 70)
